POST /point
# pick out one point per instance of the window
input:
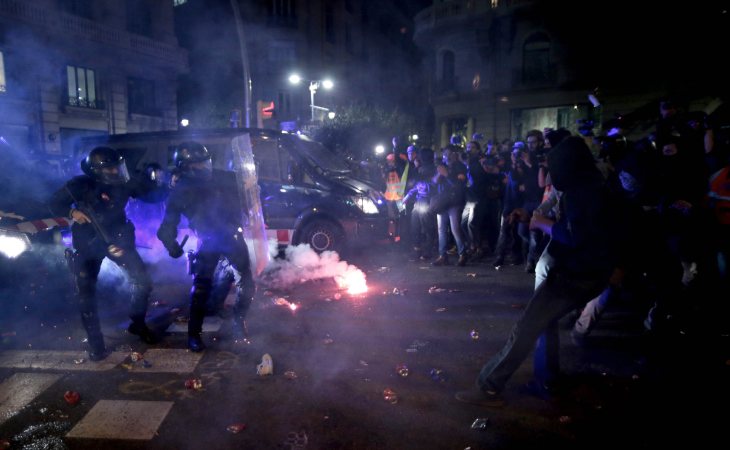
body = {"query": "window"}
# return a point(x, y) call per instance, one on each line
point(266, 154)
point(2, 73)
point(82, 87)
point(141, 96)
point(80, 8)
point(178, 2)
point(139, 17)
point(329, 22)
point(282, 12)
point(536, 59)
point(448, 70)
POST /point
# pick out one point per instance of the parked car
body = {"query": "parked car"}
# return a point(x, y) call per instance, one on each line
point(308, 194)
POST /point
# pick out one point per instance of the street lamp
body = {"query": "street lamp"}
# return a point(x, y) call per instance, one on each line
point(313, 86)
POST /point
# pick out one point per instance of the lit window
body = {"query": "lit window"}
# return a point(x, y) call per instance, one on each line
point(2, 73)
point(82, 87)
point(178, 2)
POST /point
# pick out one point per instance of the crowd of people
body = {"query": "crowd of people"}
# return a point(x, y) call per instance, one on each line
point(590, 216)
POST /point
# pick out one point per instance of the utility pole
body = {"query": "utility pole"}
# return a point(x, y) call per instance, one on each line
point(244, 62)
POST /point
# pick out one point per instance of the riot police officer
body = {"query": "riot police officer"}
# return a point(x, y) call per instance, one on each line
point(96, 202)
point(209, 200)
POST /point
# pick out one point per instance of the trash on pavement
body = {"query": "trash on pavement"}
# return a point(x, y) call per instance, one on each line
point(290, 375)
point(194, 383)
point(266, 367)
point(402, 370)
point(236, 428)
point(390, 396)
point(480, 423)
point(474, 335)
point(71, 397)
point(438, 375)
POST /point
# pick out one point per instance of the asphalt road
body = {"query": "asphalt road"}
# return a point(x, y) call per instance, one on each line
point(333, 358)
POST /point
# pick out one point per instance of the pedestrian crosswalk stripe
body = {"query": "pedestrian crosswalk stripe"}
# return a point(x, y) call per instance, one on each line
point(121, 419)
point(211, 324)
point(158, 360)
point(20, 389)
point(167, 360)
point(58, 360)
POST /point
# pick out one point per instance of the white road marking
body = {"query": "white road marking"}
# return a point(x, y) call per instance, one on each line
point(57, 360)
point(163, 360)
point(121, 419)
point(20, 389)
point(210, 324)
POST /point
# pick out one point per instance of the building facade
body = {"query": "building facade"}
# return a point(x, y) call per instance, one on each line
point(364, 46)
point(72, 68)
point(504, 67)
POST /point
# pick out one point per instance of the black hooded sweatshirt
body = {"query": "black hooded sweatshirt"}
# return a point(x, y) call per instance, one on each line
point(584, 238)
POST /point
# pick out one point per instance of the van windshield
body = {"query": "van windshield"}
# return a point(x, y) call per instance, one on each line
point(323, 158)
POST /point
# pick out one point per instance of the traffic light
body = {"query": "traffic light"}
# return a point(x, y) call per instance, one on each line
point(266, 111)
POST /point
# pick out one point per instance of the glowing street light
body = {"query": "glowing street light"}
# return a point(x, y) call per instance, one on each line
point(313, 86)
point(331, 115)
point(184, 122)
point(379, 149)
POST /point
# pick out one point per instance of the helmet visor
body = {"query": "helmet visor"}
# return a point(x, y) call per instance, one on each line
point(202, 169)
point(114, 174)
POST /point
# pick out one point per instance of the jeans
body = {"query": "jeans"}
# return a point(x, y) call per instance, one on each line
point(452, 217)
point(557, 295)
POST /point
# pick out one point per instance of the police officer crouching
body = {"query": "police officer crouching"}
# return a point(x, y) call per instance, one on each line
point(96, 202)
point(209, 200)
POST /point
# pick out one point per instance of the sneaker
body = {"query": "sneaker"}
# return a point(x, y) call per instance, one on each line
point(441, 261)
point(476, 396)
point(452, 251)
point(462, 260)
point(195, 343)
point(145, 334)
point(499, 262)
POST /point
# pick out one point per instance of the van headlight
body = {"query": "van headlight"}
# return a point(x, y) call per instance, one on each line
point(366, 205)
point(13, 243)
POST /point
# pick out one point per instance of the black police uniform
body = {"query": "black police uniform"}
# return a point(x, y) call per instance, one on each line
point(111, 235)
point(213, 210)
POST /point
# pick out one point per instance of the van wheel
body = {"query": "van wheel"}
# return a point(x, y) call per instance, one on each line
point(323, 235)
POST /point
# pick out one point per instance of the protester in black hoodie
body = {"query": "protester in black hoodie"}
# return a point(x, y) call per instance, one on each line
point(583, 248)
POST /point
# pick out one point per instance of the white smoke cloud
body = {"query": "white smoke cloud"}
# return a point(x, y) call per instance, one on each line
point(302, 264)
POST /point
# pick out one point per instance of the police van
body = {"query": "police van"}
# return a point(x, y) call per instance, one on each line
point(308, 194)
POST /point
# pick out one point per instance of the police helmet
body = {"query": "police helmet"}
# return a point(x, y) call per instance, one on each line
point(106, 165)
point(192, 158)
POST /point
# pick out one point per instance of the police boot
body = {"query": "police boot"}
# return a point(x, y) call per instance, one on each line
point(139, 328)
point(195, 328)
point(97, 350)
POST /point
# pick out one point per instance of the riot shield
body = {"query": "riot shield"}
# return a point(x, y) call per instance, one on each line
point(252, 219)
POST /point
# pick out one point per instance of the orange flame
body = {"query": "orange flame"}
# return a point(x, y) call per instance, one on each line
point(353, 280)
